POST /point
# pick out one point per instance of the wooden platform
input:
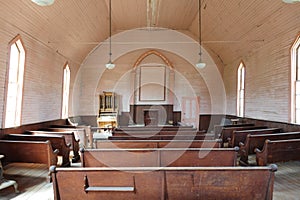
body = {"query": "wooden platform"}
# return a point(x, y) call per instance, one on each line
point(34, 184)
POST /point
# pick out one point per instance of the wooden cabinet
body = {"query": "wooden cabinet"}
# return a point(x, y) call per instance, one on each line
point(108, 110)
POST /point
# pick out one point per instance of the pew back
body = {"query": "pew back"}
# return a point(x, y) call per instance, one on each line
point(155, 128)
point(158, 132)
point(141, 183)
point(158, 144)
point(164, 137)
point(159, 157)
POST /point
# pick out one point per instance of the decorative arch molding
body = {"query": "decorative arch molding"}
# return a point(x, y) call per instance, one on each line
point(151, 52)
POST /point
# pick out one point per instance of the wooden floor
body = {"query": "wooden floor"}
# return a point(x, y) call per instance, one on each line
point(34, 184)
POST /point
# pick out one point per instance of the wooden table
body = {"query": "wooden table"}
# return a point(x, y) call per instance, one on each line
point(6, 183)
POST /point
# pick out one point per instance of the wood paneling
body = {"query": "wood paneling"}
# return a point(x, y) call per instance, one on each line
point(165, 113)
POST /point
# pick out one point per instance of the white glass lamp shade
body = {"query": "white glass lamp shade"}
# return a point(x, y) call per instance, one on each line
point(110, 65)
point(291, 1)
point(43, 2)
point(200, 65)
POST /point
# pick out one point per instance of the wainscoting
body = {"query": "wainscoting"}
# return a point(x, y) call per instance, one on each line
point(164, 113)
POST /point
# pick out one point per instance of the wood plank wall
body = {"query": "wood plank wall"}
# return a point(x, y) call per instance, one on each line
point(42, 80)
point(267, 81)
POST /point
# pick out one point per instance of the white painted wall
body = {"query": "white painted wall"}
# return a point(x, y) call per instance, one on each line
point(92, 71)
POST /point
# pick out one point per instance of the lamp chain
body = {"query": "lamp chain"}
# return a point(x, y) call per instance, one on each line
point(200, 24)
point(110, 54)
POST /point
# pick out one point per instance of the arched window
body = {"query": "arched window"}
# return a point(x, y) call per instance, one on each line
point(295, 81)
point(241, 90)
point(15, 79)
point(66, 91)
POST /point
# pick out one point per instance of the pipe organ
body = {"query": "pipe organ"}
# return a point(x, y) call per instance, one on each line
point(108, 110)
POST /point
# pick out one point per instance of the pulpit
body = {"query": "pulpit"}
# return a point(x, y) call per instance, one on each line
point(151, 117)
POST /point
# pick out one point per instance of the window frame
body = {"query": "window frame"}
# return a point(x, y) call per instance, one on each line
point(20, 94)
point(295, 79)
point(65, 114)
point(241, 81)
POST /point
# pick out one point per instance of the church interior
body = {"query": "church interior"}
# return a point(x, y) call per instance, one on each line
point(150, 99)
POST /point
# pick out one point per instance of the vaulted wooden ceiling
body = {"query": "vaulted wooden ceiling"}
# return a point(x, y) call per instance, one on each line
point(230, 28)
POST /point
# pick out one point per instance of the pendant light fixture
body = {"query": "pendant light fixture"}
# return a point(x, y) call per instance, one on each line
point(43, 2)
point(110, 65)
point(200, 63)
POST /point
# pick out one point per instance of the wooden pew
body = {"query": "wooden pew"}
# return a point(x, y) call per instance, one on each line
point(240, 136)
point(278, 151)
point(218, 128)
point(158, 144)
point(57, 142)
point(164, 137)
point(258, 141)
point(141, 183)
point(227, 132)
point(80, 133)
point(69, 137)
point(159, 157)
point(84, 133)
point(28, 152)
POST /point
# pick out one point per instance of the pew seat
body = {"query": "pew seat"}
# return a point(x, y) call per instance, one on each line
point(28, 152)
point(141, 183)
point(278, 151)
